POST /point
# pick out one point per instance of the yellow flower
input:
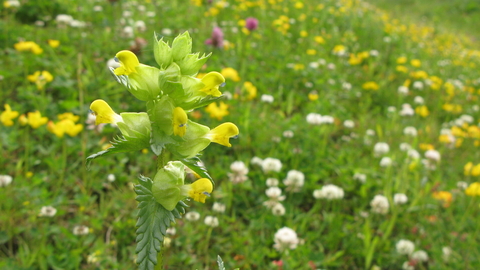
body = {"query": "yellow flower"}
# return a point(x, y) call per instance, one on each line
point(200, 189)
point(222, 133)
point(251, 89)
point(179, 122)
point(7, 116)
point(426, 146)
point(128, 62)
point(303, 33)
point(403, 69)
point(311, 51)
point(415, 63)
point(53, 43)
point(29, 46)
point(68, 115)
point(23, 120)
point(422, 111)
point(40, 78)
point(370, 86)
point(230, 73)
point(216, 111)
point(419, 74)
point(212, 82)
point(473, 189)
point(339, 49)
point(313, 95)
point(64, 126)
point(104, 113)
point(319, 40)
point(354, 60)
point(444, 196)
point(35, 119)
point(298, 5)
point(402, 60)
point(467, 168)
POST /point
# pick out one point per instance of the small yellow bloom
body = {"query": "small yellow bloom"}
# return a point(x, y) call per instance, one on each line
point(200, 190)
point(311, 51)
point(370, 86)
point(23, 120)
point(299, 5)
point(426, 146)
point(7, 116)
point(53, 43)
point(179, 122)
point(104, 113)
point(68, 115)
point(402, 60)
point(35, 119)
point(415, 63)
point(251, 89)
point(216, 111)
point(313, 95)
point(319, 40)
point(29, 46)
point(128, 63)
point(444, 196)
point(223, 133)
point(40, 78)
point(422, 111)
point(303, 33)
point(401, 68)
point(64, 126)
point(230, 73)
point(473, 189)
point(212, 81)
point(339, 49)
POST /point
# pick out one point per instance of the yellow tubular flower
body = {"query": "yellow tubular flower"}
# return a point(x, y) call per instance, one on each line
point(200, 190)
point(223, 133)
point(212, 82)
point(7, 116)
point(179, 122)
point(128, 62)
point(104, 113)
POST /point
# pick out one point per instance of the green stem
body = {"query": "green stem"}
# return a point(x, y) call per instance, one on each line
point(161, 162)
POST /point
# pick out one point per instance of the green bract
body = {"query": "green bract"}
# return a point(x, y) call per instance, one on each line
point(167, 183)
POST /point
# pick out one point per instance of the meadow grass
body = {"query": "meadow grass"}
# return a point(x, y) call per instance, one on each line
point(343, 75)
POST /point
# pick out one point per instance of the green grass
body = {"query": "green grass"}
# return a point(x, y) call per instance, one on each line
point(335, 234)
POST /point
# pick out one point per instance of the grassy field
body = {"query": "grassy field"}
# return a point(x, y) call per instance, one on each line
point(357, 146)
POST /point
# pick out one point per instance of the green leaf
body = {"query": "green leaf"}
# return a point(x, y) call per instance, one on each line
point(162, 53)
point(191, 64)
point(152, 224)
point(195, 164)
point(121, 145)
point(181, 46)
point(197, 104)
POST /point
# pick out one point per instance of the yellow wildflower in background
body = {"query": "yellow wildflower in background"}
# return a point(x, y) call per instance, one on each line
point(299, 5)
point(415, 63)
point(444, 196)
point(40, 78)
point(230, 73)
point(319, 40)
point(313, 95)
point(23, 120)
point(422, 111)
point(53, 43)
point(216, 111)
point(7, 116)
point(426, 146)
point(401, 68)
point(370, 86)
point(64, 126)
point(68, 115)
point(303, 33)
point(298, 66)
point(473, 189)
point(35, 119)
point(28, 46)
point(251, 89)
point(402, 60)
point(311, 51)
point(419, 74)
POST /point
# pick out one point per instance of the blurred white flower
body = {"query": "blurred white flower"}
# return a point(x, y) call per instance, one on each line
point(380, 149)
point(405, 146)
point(294, 181)
point(346, 86)
point(374, 53)
point(433, 155)
point(278, 209)
point(370, 132)
point(239, 172)
point(419, 255)
point(218, 207)
point(288, 134)
point(400, 198)
point(47, 211)
point(314, 119)
point(272, 182)
point(167, 31)
point(418, 85)
point(413, 154)
point(285, 238)
point(462, 185)
point(127, 32)
point(467, 118)
point(407, 110)
point(275, 194)
point(407, 266)
point(331, 66)
point(418, 100)
point(446, 253)
point(171, 231)
point(349, 124)
point(314, 65)
point(256, 161)
point(329, 192)
point(360, 177)
point(405, 247)
point(192, 216)
point(97, 8)
point(167, 242)
point(5, 180)
point(410, 131)
point(111, 177)
point(403, 90)
point(380, 204)
point(267, 98)
point(385, 162)
point(140, 26)
point(271, 165)
point(81, 230)
point(211, 221)
point(63, 19)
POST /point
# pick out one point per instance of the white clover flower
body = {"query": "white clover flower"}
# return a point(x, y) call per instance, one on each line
point(386, 162)
point(322, 62)
point(47, 211)
point(407, 110)
point(327, 119)
point(314, 119)
point(314, 65)
point(462, 185)
point(126, 13)
point(127, 32)
point(211, 221)
point(140, 26)
point(97, 8)
point(111, 177)
point(405, 247)
point(410, 131)
point(329, 192)
point(380, 148)
point(171, 231)
point(278, 209)
point(407, 266)
point(433, 155)
point(5, 180)
point(446, 253)
point(413, 154)
point(166, 31)
point(380, 204)
point(348, 124)
point(285, 238)
point(272, 182)
point(405, 146)
point(218, 207)
point(271, 165)
point(400, 198)
point(267, 98)
point(387, 39)
point(81, 230)
point(331, 66)
point(360, 177)
point(370, 132)
point(403, 90)
point(239, 167)
point(63, 19)
point(391, 109)
point(288, 134)
point(418, 100)
point(331, 81)
point(346, 86)
point(294, 181)
point(256, 161)
point(467, 118)
point(78, 24)
point(418, 85)
point(374, 53)
point(192, 216)
point(419, 255)
point(274, 193)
